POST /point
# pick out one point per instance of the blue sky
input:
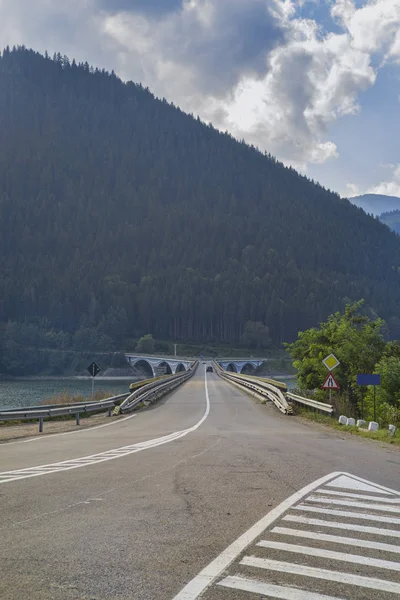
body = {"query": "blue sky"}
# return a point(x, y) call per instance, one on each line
point(316, 83)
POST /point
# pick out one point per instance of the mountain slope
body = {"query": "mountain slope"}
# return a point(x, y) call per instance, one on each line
point(115, 203)
point(376, 204)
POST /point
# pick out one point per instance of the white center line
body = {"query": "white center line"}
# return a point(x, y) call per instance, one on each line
point(335, 539)
point(331, 555)
point(272, 591)
point(325, 574)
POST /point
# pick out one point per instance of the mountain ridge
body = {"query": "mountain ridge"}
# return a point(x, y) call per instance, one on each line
point(376, 204)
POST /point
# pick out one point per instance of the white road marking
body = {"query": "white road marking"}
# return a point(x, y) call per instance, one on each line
point(204, 579)
point(359, 496)
point(51, 435)
point(325, 574)
point(354, 504)
point(357, 483)
point(335, 539)
point(269, 586)
point(272, 591)
point(18, 474)
point(331, 555)
point(347, 526)
point(347, 513)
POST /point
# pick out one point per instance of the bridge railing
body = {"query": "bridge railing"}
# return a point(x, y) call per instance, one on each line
point(257, 386)
point(154, 390)
point(310, 403)
point(274, 391)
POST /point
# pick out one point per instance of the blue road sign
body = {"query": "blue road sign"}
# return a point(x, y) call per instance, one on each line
point(366, 379)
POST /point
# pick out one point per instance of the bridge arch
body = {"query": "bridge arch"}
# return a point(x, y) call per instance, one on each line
point(248, 368)
point(144, 366)
point(180, 368)
point(166, 366)
point(231, 367)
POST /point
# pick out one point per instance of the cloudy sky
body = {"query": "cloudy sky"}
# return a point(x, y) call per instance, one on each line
point(314, 82)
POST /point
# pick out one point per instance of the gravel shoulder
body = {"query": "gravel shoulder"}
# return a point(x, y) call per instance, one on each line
point(29, 430)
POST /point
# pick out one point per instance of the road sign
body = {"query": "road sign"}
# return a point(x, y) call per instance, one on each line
point(366, 379)
point(330, 383)
point(94, 369)
point(331, 362)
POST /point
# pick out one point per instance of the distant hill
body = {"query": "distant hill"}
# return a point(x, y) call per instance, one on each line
point(376, 204)
point(391, 219)
point(120, 214)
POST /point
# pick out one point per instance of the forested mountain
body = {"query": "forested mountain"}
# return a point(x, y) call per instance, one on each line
point(120, 215)
point(376, 204)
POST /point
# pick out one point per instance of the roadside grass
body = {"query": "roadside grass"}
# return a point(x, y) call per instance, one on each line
point(382, 435)
point(66, 397)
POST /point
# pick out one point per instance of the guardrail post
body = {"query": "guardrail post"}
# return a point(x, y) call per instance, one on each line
point(78, 419)
point(109, 411)
point(41, 425)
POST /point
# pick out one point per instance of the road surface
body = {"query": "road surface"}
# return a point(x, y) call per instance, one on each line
point(185, 500)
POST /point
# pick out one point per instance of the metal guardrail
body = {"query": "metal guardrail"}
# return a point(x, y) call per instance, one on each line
point(326, 408)
point(41, 413)
point(260, 387)
point(272, 392)
point(151, 391)
point(154, 390)
point(47, 407)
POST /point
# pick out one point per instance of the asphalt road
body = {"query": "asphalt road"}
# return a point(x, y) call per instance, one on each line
point(137, 509)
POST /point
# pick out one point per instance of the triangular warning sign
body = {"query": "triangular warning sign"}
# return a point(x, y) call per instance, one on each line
point(330, 383)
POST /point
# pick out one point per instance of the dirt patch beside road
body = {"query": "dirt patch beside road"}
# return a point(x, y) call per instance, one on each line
point(26, 430)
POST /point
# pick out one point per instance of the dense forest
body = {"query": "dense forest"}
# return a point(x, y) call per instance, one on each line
point(120, 215)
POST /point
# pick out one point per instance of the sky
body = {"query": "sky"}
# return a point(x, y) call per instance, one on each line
point(314, 82)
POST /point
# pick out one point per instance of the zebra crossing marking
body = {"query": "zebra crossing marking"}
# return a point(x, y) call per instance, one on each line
point(261, 560)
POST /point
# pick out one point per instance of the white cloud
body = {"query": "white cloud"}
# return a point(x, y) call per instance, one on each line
point(353, 190)
point(389, 187)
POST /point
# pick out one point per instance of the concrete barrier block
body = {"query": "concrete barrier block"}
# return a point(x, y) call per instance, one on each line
point(361, 423)
point(342, 420)
point(373, 426)
point(392, 430)
point(351, 421)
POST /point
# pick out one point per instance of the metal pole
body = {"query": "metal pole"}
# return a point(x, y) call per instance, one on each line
point(330, 395)
point(78, 419)
point(362, 402)
point(109, 411)
point(41, 425)
point(374, 402)
point(92, 388)
point(174, 349)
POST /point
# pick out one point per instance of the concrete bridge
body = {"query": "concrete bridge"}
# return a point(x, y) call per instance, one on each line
point(154, 365)
point(241, 365)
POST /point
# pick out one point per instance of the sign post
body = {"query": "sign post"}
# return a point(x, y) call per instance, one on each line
point(369, 379)
point(330, 383)
point(94, 370)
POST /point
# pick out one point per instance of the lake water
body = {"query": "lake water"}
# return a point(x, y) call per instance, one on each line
point(30, 392)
